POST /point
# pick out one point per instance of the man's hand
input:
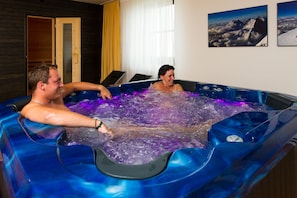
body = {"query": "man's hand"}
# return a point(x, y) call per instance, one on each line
point(105, 94)
point(103, 129)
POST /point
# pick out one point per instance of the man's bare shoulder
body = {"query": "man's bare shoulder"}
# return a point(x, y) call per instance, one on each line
point(29, 107)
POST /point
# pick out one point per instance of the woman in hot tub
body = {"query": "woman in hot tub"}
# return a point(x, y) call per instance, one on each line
point(47, 105)
point(167, 85)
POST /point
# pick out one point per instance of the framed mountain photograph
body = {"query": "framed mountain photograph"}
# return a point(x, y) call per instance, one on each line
point(242, 27)
point(287, 23)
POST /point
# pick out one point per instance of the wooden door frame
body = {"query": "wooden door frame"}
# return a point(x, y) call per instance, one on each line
point(76, 46)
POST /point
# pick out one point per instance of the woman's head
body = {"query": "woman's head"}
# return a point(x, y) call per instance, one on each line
point(166, 74)
point(163, 69)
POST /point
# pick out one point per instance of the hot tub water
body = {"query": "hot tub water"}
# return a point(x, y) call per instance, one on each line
point(149, 123)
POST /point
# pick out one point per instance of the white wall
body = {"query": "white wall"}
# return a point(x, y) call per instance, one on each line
point(269, 68)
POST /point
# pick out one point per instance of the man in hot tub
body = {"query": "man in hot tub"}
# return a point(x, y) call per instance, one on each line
point(47, 105)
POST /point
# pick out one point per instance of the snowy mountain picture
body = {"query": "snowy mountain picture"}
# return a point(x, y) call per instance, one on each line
point(243, 27)
point(287, 23)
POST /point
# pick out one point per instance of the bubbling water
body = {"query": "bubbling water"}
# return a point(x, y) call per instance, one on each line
point(149, 123)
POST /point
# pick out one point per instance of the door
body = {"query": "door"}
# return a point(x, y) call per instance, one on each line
point(68, 48)
point(40, 42)
point(50, 45)
point(40, 45)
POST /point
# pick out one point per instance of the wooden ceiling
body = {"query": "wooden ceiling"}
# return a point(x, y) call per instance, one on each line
point(98, 2)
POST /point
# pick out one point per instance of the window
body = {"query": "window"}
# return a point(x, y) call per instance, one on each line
point(147, 31)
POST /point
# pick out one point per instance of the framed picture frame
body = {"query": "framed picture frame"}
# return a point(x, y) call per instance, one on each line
point(287, 23)
point(242, 27)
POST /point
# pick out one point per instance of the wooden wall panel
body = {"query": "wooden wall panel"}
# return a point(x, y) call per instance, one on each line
point(281, 181)
point(13, 69)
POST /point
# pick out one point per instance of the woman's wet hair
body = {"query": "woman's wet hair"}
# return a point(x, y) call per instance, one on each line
point(163, 69)
point(39, 73)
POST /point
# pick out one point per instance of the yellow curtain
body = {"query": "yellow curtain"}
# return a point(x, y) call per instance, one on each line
point(111, 39)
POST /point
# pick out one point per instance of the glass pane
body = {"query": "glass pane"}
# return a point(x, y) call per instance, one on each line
point(67, 53)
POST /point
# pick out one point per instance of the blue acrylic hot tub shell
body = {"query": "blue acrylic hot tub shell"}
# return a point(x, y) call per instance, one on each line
point(40, 167)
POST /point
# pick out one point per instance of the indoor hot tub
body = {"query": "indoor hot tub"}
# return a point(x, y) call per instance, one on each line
point(234, 154)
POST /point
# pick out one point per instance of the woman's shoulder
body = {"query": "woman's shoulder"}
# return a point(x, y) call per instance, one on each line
point(156, 84)
point(178, 87)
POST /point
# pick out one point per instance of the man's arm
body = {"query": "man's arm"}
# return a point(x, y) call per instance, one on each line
point(83, 86)
point(61, 117)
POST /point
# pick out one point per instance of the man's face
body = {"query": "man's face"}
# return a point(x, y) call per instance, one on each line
point(54, 84)
point(168, 78)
